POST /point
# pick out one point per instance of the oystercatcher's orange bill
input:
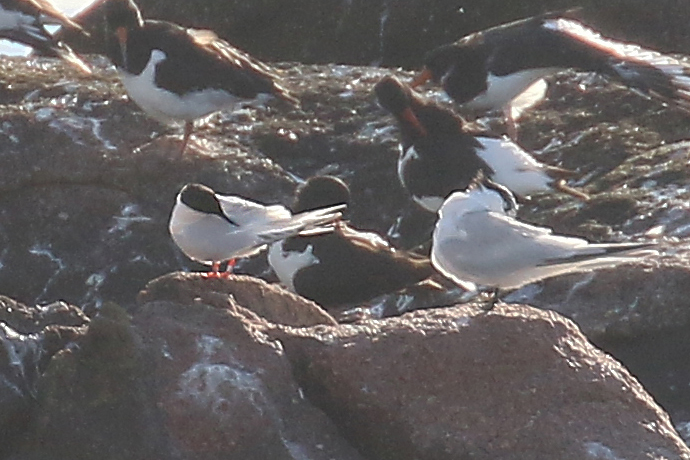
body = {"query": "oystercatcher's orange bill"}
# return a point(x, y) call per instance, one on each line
point(409, 116)
point(423, 77)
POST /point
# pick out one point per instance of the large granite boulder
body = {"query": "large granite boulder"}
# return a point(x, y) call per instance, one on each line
point(182, 379)
point(462, 383)
point(198, 372)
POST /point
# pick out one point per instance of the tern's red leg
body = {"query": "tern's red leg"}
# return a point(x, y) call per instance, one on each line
point(215, 270)
point(214, 273)
point(229, 269)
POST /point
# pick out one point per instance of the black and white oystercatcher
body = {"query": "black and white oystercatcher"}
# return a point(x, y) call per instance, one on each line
point(486, 70)
point(23, 21)
point(178, 74)
point(212, 228)
point(477, 243)
point(438, 157)
point(342, 265)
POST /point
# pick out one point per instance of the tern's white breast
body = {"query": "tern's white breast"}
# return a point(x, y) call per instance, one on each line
point(207, 238)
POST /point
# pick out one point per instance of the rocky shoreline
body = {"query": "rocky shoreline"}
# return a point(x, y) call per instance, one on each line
point(194, 368)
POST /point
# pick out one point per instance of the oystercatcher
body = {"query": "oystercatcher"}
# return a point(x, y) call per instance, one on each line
point(212, 228)
point(486, 70)
point(23, 21)
point(476, 242)
point(341, 265)
point(437, 156)
point(179, 74)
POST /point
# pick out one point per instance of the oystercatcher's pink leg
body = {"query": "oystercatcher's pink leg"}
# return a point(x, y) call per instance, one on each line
point(188, 128)
point(511, 123)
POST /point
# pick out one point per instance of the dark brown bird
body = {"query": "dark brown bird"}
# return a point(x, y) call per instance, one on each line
point(341, 265)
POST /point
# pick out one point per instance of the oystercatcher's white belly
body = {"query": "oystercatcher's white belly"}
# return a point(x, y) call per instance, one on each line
point(513, 167)
point(502, 90)
point(166, 106)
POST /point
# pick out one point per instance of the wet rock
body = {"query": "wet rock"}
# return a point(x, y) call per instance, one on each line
point(29, 320)
point(92, 402)
point(461, 383)
point(393, 32)
point(196, 374)
point(29, 338)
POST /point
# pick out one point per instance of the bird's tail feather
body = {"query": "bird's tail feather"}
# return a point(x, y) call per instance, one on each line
point(601, 255)
point(648, 72)
point(302, 222)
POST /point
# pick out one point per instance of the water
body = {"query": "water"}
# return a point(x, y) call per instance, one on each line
point(71, 7)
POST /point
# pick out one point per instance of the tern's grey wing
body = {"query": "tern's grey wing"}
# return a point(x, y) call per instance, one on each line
point(493, 249)
point(515, 240)
point(247, 212)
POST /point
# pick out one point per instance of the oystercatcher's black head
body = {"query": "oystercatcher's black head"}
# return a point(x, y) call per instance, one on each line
point(439, 61)
point(401, 102)
point(393, 95)
point(320, 192)
point(123, 14)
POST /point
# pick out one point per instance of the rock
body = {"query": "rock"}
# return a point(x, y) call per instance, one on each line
point(265, 300)
point(29, 338)
point(92, 401)
point(460, 383)
point(30, 320)
point(195, 374)
point(644, 324)
point(392, 34)
point(178, 380)
point(227, 391)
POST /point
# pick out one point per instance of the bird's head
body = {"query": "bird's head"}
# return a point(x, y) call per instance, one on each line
point(399, 99)
point(122, 16)
point(202, 199)
point(482, 194)
point(321, 192)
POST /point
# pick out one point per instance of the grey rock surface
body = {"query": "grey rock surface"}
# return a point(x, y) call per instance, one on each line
point(195, 374)
point(462, 383)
